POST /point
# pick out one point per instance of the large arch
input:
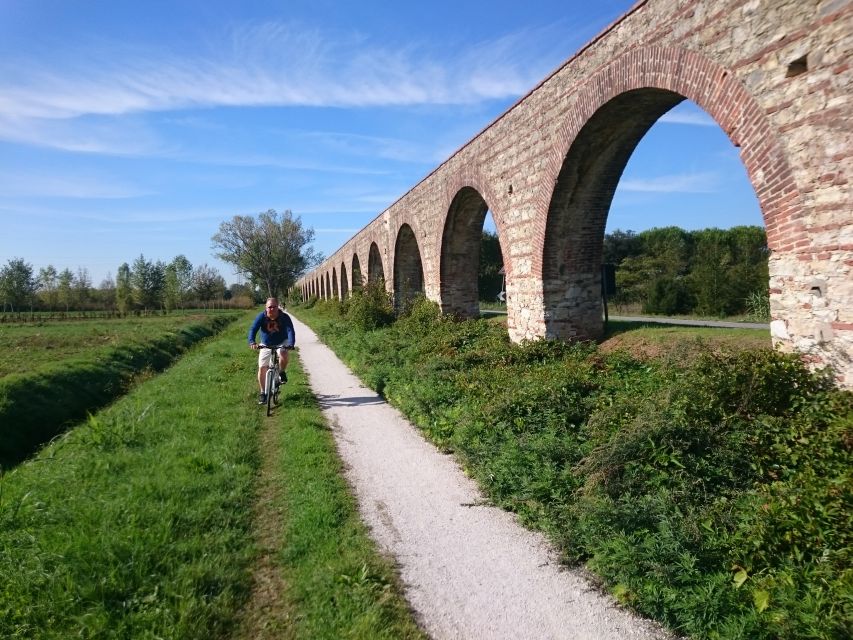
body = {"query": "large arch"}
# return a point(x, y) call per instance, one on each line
point(614, 112)
point(356, 273)
point(408, 268)
point(335, 288)
point(375, 270)
point(344, 283)
point(781, 100)
point(460, 253)
point(328, 295)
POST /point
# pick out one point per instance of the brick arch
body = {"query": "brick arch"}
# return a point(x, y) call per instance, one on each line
point(375, 266)
point(335, 288)
point(471, 177)
point(355, 273)
point(460, 253)
point(328, 285)
point(468, 196)
point(408, 266)
point(612, 113)
point(344, 283)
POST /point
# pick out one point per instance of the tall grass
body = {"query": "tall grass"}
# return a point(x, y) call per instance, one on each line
point(709, 488)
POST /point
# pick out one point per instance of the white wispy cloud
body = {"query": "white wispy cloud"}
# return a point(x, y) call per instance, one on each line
point(272, 64)
point(692, 117)
point(705, 182)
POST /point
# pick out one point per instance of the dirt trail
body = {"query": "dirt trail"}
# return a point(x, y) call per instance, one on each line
point(469, 570)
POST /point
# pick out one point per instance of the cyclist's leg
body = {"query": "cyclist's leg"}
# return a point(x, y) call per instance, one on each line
point(283, 358)
point(263, 367)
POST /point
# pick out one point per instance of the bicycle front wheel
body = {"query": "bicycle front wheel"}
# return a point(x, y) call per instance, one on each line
point(270, 387)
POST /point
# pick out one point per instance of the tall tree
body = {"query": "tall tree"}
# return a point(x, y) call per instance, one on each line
point(82, 286)
point(178, 282)
point(491, 261)
point(124, 288)
point(619, 245)
point(107, 292)
point(65, 288)
point(147, 279)
point(208, 284)
point(271, 249)
point(17, 283)
point(47, 284)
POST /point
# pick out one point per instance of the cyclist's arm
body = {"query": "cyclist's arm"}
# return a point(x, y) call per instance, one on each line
point(253, 330)
point(291, 332)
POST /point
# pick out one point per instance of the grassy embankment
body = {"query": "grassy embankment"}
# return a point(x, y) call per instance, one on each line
point(180, 511)
point(53, 374)
point(708, 486)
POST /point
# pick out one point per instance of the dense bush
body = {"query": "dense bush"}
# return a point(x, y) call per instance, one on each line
point(710, 492)
point(370, 307)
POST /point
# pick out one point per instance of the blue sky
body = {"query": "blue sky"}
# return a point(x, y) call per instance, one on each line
point(132, 127)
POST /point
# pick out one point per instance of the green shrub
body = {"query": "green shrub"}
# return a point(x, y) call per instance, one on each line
point(711, 492)
point(371, 307)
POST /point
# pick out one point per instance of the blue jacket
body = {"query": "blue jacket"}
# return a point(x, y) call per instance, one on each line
point(273, 332)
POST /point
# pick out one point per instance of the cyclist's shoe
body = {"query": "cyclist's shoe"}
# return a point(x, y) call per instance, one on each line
point(262, 398)
point(282, 377)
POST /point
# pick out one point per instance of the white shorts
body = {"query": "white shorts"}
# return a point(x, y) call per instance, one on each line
point(264, 357)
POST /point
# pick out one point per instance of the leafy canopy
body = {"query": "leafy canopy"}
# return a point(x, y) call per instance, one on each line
point(271, 250)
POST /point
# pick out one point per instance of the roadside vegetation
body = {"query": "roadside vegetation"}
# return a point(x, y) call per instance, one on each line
point(144, 521)
point(55, 373)
point(709, 486)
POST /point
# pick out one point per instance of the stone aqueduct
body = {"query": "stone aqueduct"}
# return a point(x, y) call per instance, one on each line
point(774, 74)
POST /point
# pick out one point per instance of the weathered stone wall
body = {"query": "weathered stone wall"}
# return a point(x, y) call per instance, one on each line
point(775, 75)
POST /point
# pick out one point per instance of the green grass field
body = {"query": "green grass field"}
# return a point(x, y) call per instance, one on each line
point(163, 515)
point(39, 401)
point(34, 346)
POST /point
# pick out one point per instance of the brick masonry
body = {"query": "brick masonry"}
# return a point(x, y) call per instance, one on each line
point(774, 74)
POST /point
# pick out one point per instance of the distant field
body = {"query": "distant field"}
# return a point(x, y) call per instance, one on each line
point(651, 340)
point(32, 346)
point(648, 339)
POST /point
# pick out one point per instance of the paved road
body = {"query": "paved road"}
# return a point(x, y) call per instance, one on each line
point(658, 320)
point(469, 570)
point(694, 323)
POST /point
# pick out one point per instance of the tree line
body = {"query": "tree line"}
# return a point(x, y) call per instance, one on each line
point(668, 270)
point(271, 250)
point(141, 285)
point(709, 272)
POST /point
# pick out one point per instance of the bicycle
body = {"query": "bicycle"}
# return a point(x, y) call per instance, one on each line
point(272, 384)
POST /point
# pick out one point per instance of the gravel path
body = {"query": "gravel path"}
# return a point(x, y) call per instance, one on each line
point(469, 570)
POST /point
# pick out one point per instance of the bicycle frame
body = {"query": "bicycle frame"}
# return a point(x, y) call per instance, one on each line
point(272, 383)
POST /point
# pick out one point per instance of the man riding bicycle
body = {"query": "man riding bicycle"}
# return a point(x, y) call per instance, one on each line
point(276, 329)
